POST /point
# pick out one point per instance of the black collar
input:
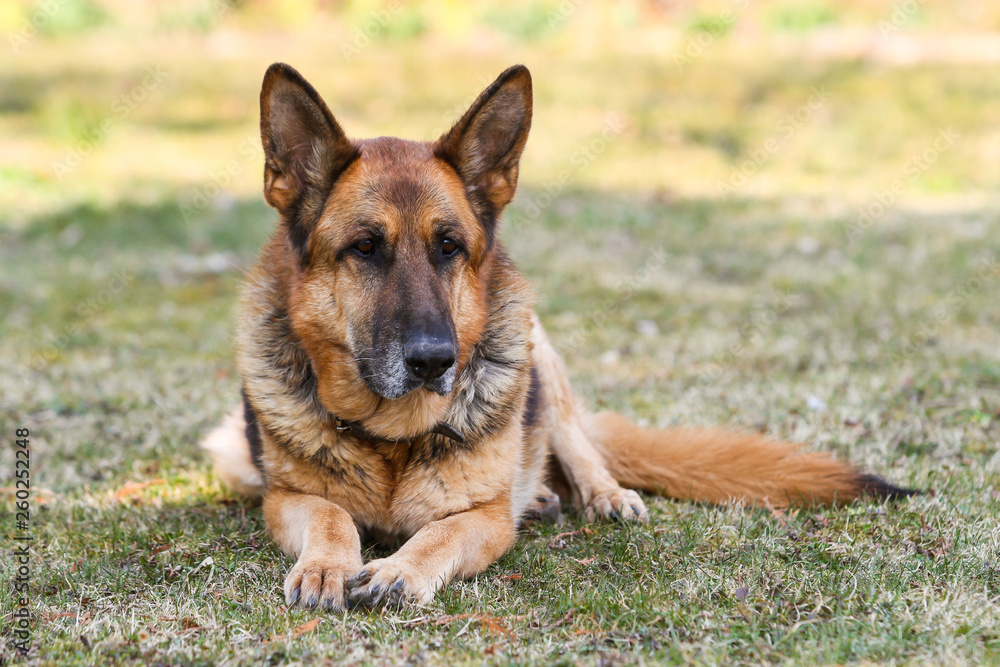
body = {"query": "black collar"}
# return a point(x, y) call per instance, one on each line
point(361, 433)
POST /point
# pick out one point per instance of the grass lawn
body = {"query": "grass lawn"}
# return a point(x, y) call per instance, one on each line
point(796, 240)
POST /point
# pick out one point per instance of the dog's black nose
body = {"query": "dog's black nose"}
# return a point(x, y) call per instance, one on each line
point(429, 358)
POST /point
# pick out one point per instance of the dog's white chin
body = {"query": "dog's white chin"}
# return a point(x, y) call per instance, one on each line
point(391, 388)
point(444, 384)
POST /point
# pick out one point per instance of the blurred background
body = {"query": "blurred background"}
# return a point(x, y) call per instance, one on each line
point(149, 101)
point(777, 215)
point(716, 196)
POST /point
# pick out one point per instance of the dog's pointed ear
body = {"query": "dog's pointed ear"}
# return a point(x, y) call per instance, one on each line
point(304, 150)
point(485, 145)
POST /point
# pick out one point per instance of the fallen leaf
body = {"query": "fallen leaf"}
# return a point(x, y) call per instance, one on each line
point(555, 541)
point(491, 623)
point(775, 512)
point(131, 488)
point(565, 619)
point(308, 626)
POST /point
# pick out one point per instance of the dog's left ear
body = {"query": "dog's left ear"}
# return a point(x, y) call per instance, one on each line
point(485, 145)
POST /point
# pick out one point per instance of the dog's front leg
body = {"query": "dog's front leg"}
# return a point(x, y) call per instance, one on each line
point(460, 545)
point(324, 539)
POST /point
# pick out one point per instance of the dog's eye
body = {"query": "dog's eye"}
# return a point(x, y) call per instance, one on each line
point(448, 248)
point(365, 247)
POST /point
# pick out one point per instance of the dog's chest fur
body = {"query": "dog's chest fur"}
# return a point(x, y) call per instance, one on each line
point(393, 489)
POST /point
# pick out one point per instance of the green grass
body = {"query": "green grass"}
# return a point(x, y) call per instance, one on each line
point(764, 311)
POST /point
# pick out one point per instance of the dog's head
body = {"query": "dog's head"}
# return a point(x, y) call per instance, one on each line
point(389, 241)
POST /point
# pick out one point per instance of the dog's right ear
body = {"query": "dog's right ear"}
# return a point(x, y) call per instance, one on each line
point(304, 150)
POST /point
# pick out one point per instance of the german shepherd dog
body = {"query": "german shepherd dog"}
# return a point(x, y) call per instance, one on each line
point(398, 386)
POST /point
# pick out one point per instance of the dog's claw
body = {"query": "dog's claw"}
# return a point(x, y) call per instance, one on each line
point(313, 584)
point(617, 505)
point(359, 579)
point(386, 584)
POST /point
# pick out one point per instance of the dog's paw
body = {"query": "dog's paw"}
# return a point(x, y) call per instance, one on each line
point(315, 583)
point(388, 582)
point(546, 507)
point(619, 504)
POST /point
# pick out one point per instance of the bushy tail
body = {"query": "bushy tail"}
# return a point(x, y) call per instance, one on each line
point(230, 449)
point(717, 466)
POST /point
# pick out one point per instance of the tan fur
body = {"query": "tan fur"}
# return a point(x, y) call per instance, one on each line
point(717, 466)
point(322, 537)
point(322, 326)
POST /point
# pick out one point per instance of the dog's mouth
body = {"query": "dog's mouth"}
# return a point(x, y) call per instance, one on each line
point(394, 380)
